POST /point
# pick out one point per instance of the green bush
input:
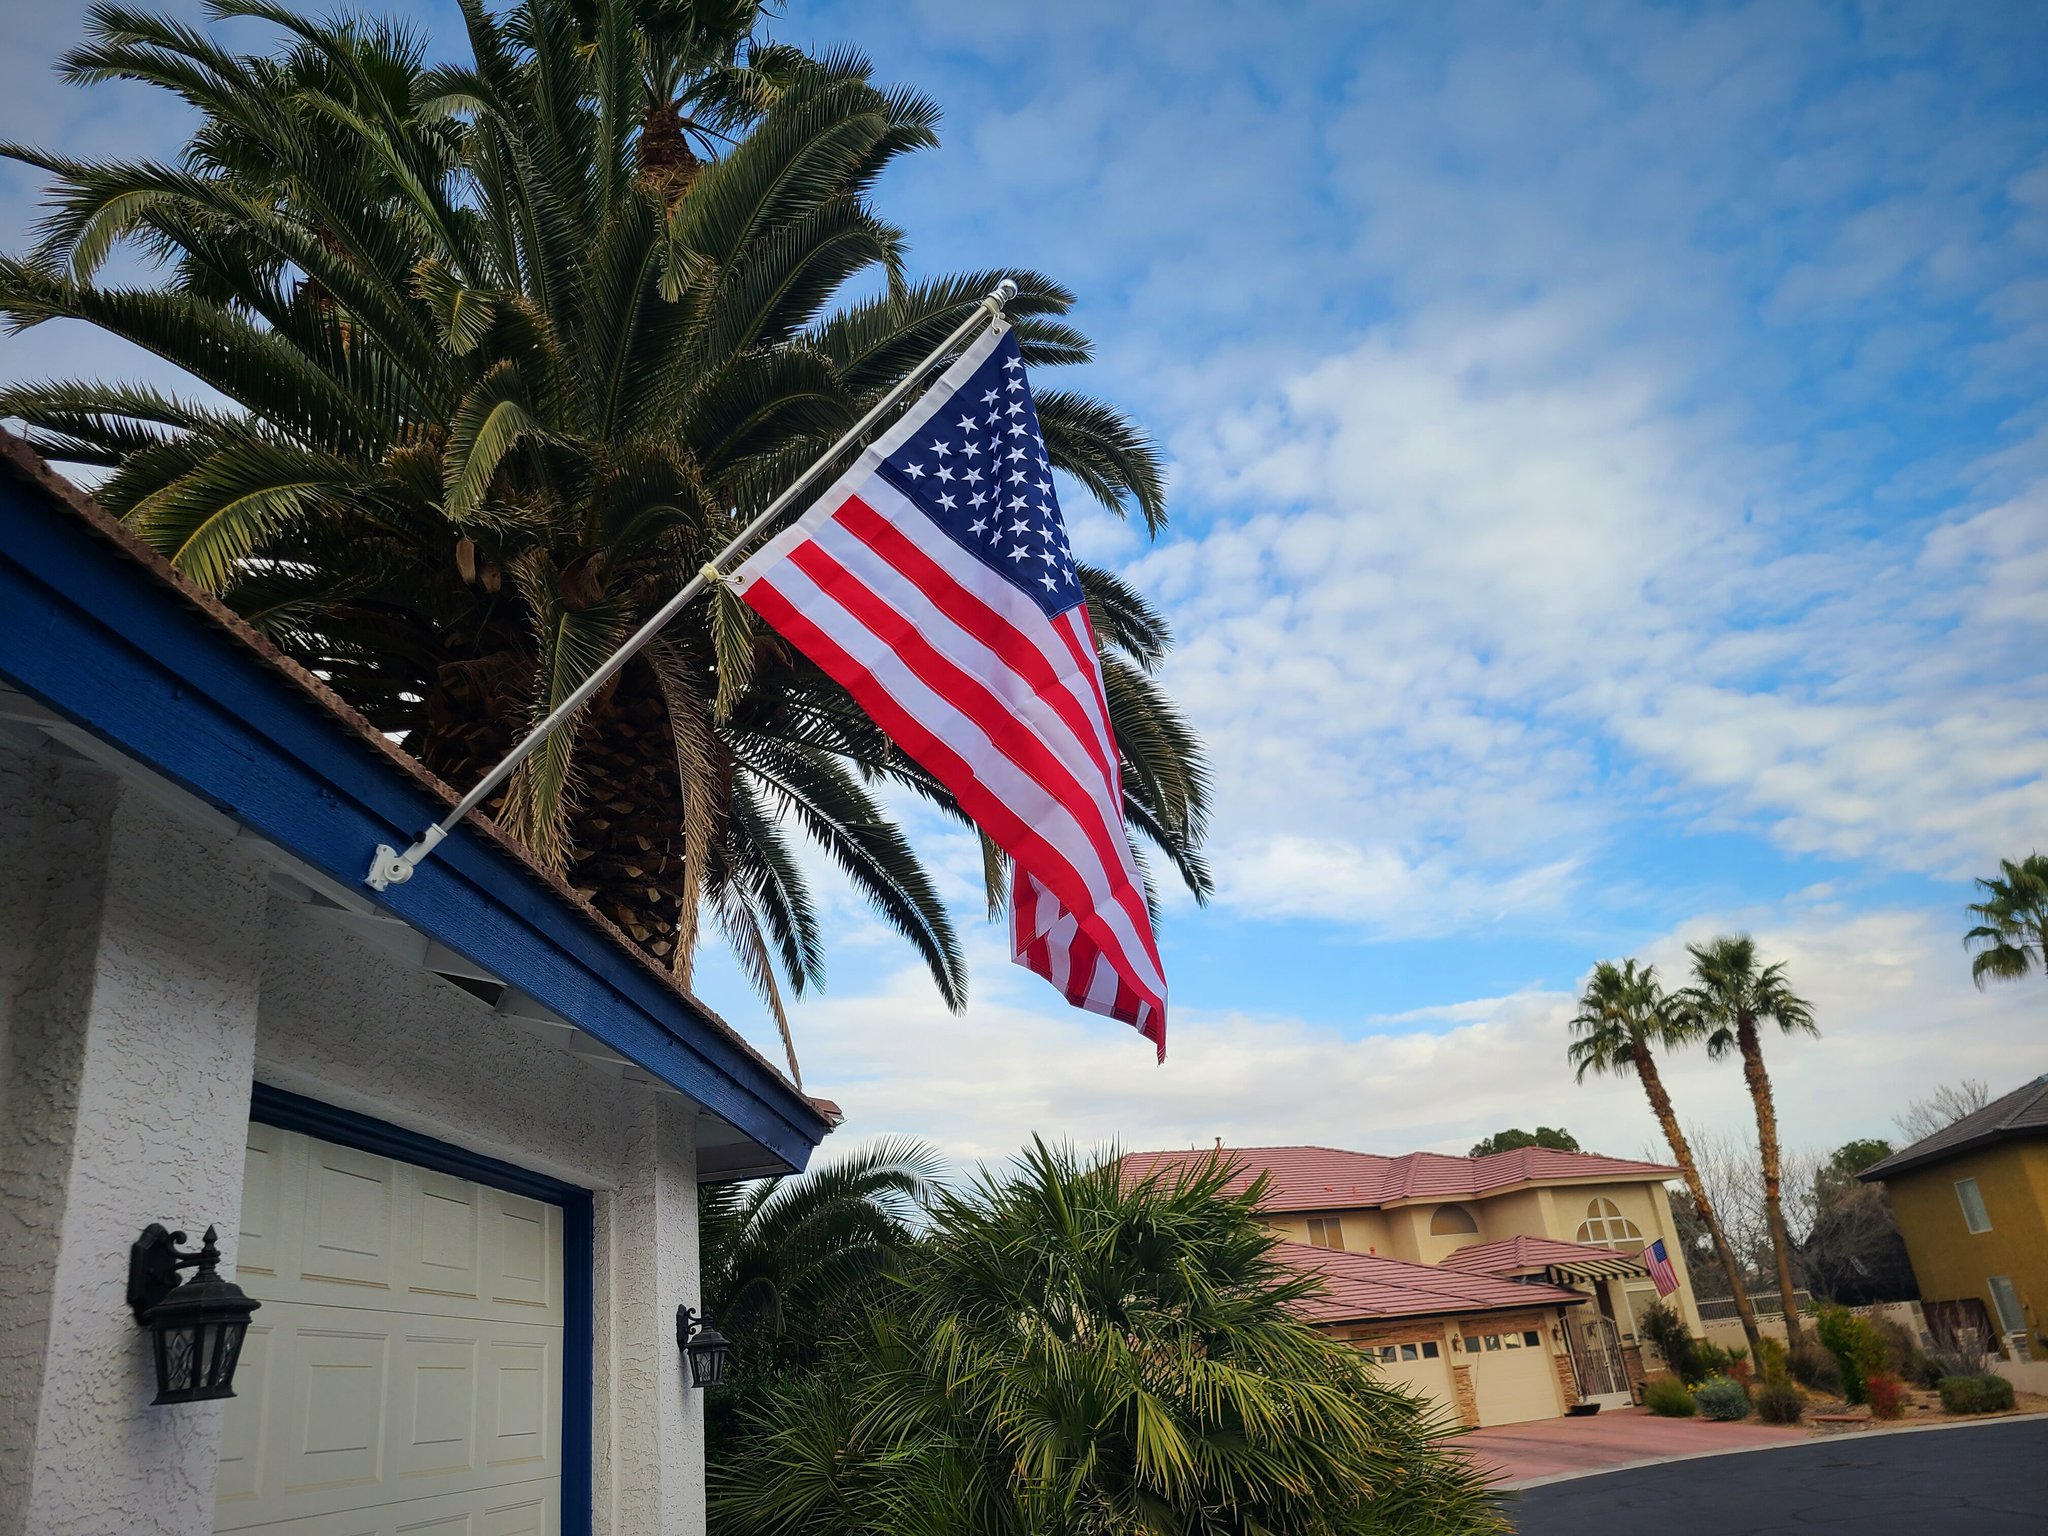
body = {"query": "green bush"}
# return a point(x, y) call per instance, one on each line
point(1722, 1398)
point(1770, 1358)
point(1902, 1353)
point(1667, 1396)
point(1691, 1360)
point(1779, 1402)
point(1814, 1367)
point(1858, 1348)
point(1976, 1394)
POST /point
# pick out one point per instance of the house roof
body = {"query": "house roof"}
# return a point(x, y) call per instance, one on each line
point(1362, 1286)
point(1543, 1256)
point(1328, 1178)
point(111, 640)
point(2021, 1113)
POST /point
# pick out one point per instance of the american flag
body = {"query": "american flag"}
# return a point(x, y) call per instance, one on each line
point(1658, 1263)
point(934, 582)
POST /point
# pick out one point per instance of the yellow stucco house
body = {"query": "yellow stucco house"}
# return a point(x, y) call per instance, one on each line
point(1509, 1287)
point(1972, 1203)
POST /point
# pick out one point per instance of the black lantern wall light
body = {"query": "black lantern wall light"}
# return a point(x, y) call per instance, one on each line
point(703, 1346)
point(196, 1327)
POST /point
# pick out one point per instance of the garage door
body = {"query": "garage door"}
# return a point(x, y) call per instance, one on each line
point(1419, 1368)
point(405, 1372)
point(1512, 1375)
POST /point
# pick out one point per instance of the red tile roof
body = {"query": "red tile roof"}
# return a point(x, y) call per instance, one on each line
point(1327, 1178)
point(1360, 1286)
point(1521, 1255)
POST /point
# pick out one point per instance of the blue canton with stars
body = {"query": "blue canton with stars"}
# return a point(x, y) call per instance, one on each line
point(978, 469)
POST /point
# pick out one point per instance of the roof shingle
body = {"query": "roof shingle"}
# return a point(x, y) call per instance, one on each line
point(1328, 1178)
point(1358, 1287)
point(2023, 1112)
point(1523, 1255)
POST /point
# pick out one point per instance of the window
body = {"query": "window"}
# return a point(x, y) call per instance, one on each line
point(1975, 1217)
point(1471, 1343)
point(1532, 1338)
point(1606, 1226)
point(1430, 1351)
point(1452, 1221)
point(2012, 1318)
point(1493, 1341)
point(1513, 1341)
point(1410, 1352)
point(1326, 1232)
point(1389, 1353)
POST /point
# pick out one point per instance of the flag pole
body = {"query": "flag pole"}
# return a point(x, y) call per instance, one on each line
point(389, 867)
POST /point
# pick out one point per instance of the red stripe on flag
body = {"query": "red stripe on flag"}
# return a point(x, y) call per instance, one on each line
point(1010, 831)
point(997, 721)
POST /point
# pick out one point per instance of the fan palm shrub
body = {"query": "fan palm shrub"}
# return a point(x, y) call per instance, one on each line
point(1729, 1001)
point(1624, 1018)
point(488, 357)
point(1069, 1353)
point(2011, 935)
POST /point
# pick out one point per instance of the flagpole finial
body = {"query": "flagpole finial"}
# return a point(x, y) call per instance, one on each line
point(1004, 292)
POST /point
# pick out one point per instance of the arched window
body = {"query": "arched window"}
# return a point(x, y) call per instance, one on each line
point(1452, 1221)
point(1605, 1225)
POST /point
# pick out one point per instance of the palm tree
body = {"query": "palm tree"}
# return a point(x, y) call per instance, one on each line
point(1730, 997)
point(789, 1261)
point(2011, 936)
point(1624, 1019)
point(487, 371)
point(1071, 1354)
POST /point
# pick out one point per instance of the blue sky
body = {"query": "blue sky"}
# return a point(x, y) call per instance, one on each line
point(1610, 505)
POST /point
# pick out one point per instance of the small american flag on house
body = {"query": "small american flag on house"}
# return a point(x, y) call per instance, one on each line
point(1658, 1262)
point(934, 582)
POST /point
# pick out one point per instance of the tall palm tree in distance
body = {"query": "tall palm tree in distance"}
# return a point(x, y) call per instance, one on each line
point(1624, 1019)
point(1730, 999)
point(2011, 936)
point(492, 355)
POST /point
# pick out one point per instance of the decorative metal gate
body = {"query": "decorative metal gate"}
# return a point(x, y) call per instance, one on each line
point(1596, 1352)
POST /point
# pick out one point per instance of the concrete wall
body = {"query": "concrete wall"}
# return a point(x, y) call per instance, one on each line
point(147, 975)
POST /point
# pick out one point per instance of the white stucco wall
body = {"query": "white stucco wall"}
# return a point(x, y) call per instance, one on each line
point(344, 1023)
point(132, 1035)
point(149, 973)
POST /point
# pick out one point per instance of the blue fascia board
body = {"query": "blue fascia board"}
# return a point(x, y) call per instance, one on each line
point(102, 641)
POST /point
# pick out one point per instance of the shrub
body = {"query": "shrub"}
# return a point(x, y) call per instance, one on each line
point(1902, 1354)
point(1667, 1396)
point(1770, 1358)
point(1779, 1402)
point(1814, 1367)
point(1858, 1348)
point(1710, 1359)
point(1681, 1351)
point(1976, 1394)
point(1722, 1398)
point(1886, 1395)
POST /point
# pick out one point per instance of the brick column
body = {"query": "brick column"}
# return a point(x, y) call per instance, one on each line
point(1467, 1395)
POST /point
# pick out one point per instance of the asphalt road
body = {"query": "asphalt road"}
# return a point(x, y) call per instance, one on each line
point(1985, 1480)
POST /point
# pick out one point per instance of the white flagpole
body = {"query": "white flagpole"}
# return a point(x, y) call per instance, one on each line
point(389, 867)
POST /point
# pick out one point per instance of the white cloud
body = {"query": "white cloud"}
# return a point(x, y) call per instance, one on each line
point(1891, 988)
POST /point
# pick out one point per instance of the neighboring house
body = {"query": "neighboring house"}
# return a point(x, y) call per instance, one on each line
point(1972, 1203)
point(1570, 1220)
point(1490, 1350)
point(452, 1134)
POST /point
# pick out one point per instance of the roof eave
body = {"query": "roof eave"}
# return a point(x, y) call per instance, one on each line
point(100, 634)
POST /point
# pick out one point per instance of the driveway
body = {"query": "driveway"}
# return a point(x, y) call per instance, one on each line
point(1518, 1453)
point(1972, 1480)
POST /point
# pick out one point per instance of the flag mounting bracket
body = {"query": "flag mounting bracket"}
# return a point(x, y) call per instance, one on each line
point(390, 866)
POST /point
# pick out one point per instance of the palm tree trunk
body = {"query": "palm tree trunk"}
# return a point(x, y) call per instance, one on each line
point(1681, 1151)
point(1759, 1081)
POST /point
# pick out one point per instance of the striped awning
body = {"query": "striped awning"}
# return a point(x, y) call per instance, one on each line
point(1593, 1269)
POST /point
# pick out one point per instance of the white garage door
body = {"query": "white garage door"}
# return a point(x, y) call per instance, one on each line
point(405, 1372)
point(1419, 1368)
point(1512, 1375)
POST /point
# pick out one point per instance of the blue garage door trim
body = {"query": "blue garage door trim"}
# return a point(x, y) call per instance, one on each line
point(294, 1112)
